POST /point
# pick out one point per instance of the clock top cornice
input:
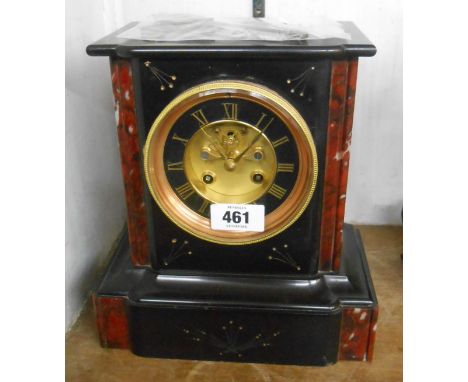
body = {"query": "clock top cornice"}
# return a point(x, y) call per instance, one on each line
point(357, 45)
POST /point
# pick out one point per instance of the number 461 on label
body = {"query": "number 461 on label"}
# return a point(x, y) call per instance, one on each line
point(238, 217)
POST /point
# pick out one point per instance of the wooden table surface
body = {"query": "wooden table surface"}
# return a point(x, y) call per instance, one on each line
point(87, 361)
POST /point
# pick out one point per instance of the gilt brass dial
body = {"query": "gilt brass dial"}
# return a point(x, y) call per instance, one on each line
point(230, 142)
point(219, 170)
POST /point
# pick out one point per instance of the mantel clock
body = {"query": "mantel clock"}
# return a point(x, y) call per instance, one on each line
point(252, 137)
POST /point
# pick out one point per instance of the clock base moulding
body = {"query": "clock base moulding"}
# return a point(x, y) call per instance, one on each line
point(313, 321)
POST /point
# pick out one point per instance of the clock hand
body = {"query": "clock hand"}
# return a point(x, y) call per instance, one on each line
point(259, 134)
point(211, 155)
point(248, 147)
point(214, 143)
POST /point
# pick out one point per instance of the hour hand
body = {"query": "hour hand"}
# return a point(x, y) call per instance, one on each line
point(215, 144)
point(211, 153)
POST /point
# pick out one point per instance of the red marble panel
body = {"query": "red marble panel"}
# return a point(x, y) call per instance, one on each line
point(337, 103)
point(111, 321)
point(357, 334)
point(131, 156)
point(344, 154)
point(372, 334)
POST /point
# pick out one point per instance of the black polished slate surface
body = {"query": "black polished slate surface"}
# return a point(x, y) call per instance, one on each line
point(358, 45)
point(289, 68)
point(120, 276)
point(259, 336)
point(324, 292)
point(217, 318)
point(302, 238)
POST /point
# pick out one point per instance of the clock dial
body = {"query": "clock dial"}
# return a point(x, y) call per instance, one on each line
point(230, 142)
point(225, 152)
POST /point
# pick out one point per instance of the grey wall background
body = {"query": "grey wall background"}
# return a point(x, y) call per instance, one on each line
point(95, 210)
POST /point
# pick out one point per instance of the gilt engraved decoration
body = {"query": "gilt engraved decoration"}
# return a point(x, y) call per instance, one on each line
point(232, 340)
point(282, 255)
point(165, 80)
point(178, 248)
point(300, 85)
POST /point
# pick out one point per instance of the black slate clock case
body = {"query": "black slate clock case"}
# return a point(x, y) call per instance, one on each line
point(235, 303)
point(302, 238)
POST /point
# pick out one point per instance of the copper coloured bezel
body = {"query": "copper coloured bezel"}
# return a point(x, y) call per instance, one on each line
point(189, 220)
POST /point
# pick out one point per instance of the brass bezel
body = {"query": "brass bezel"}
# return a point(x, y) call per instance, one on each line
point(190, 221)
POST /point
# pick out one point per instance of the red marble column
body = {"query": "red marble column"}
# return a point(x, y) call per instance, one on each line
point(337, 106)
point(372, 334)
point(344, 154)
point(131, 157)
point(357, 336)
point(111, 321)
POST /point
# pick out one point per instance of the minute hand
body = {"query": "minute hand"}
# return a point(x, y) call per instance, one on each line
point(259, 134)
